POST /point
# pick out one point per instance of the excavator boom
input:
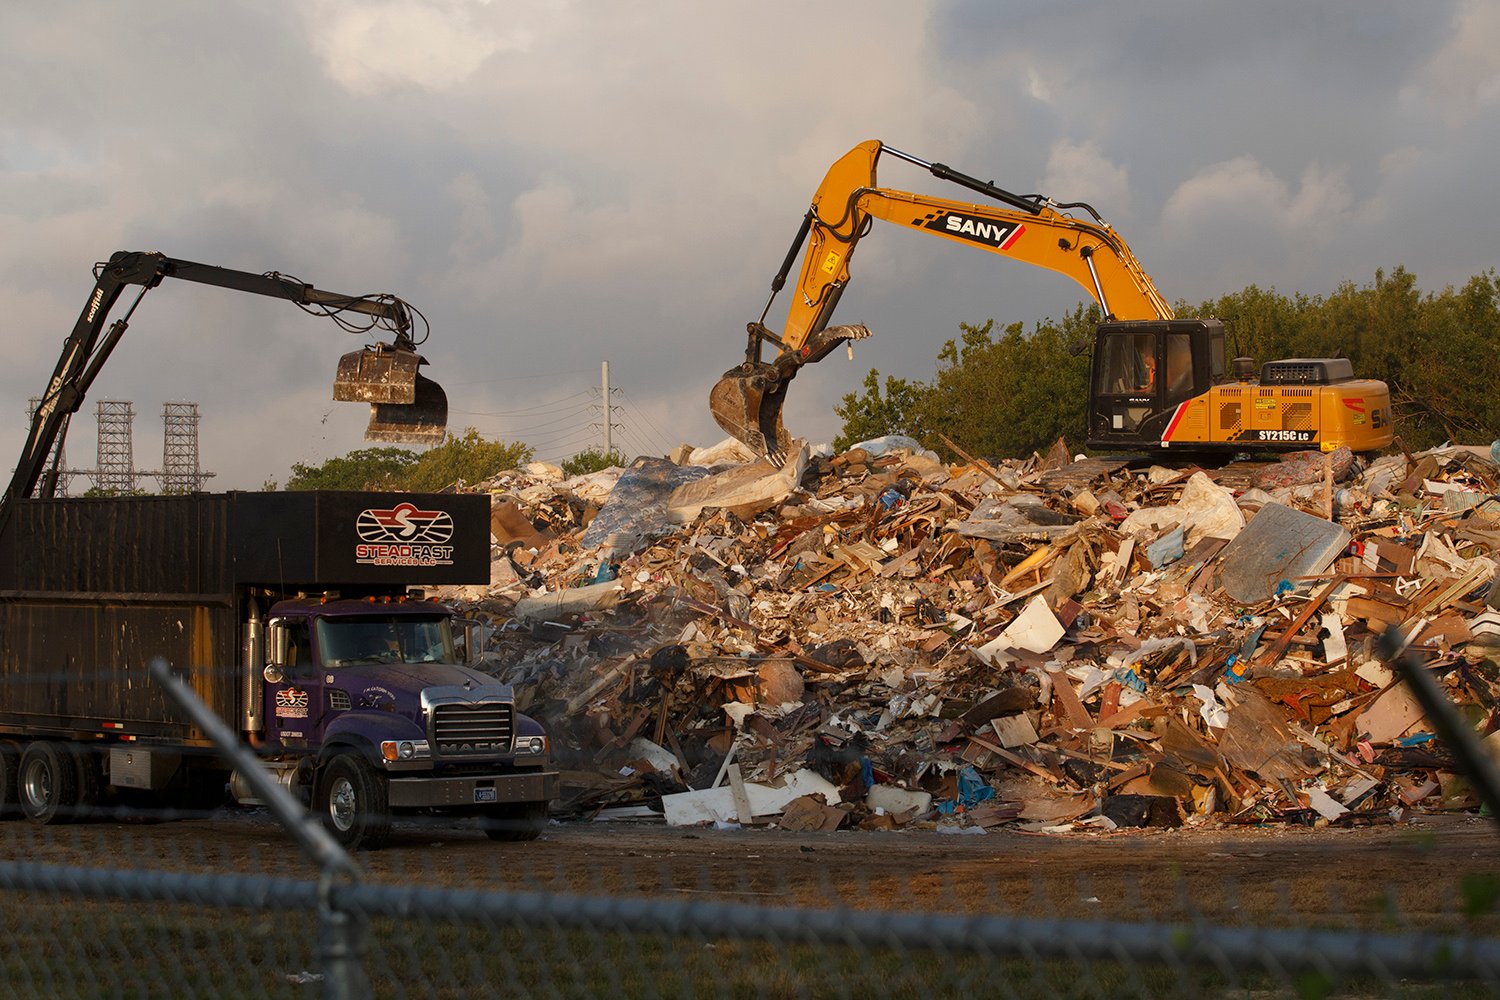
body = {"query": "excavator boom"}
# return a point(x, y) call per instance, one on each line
point(747, 402)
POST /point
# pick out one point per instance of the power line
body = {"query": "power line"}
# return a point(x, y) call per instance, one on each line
point(635, 443)
point(540, 408)
point(571, 418)
point(550, 448)
point(643, 436)
point(568, 448)
point(656, 442)
point(529, 377)
point(648, 421)
point(566, 431)
point(560, 433)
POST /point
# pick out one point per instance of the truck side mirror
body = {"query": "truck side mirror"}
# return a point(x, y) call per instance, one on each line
point(275, 671)
point(471, 639)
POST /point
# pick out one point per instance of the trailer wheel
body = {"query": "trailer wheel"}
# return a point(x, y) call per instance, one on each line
point(49, 783)
point(10, 780)
point(513, 823)
point(354, 803)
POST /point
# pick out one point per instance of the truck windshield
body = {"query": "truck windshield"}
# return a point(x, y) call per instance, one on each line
point(345, 642)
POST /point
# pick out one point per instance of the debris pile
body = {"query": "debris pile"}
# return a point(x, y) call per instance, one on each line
point(875, 639)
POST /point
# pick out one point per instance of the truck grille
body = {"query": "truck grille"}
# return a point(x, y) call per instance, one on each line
point(463, 729)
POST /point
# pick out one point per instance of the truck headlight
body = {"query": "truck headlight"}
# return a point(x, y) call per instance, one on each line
point(397, 750)
point(531, 745)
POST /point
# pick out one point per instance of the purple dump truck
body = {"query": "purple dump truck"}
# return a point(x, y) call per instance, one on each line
point(296, 617)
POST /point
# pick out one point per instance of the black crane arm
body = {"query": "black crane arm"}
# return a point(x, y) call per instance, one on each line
point(89, 344)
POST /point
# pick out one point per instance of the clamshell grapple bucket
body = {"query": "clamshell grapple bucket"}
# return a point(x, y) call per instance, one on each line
point(405, 407)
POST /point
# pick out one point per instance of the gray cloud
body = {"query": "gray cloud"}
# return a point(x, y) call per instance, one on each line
point(557, 183)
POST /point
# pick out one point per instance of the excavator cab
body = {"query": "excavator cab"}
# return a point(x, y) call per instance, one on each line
point(405, 407)
point(1165, 384)
point(1143, 370)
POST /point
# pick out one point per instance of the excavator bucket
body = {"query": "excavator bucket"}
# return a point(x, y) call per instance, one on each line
point(422, 421)
point(747, 403)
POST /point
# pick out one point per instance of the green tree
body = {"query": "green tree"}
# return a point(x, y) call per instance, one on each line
point(1448, 387)
point(110, 491)
point(465, 460)
point(1014, 394)
point(1259, 323)
point(363, 469)
point(591, 460)
point(1008, 392)
point(877, 412)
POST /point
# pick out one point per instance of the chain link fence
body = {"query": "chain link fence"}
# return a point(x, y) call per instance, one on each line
point(262, 903)
point(224, 907)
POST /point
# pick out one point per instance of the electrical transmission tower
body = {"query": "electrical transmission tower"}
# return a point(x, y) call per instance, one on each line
point(115, 471)
point(58, 460)
point(114, 462)
point(180, 472)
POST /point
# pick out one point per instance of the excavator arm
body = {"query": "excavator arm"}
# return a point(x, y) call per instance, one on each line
point(748, 400)
point(405, 406)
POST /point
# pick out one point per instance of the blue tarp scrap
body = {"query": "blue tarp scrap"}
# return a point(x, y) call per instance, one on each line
point(1236, 669)
point(972, 790)
point(636, 510)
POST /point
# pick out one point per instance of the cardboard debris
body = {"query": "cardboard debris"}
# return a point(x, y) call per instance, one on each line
point(876, 640)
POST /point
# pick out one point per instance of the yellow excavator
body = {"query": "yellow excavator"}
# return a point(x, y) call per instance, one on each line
point(1156, 381)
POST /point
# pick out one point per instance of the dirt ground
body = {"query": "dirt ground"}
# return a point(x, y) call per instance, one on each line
point(1439, 872)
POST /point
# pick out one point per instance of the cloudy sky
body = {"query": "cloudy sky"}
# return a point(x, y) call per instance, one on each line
point(558, 183)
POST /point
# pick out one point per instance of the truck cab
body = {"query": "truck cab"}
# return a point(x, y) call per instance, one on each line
point(370, 700)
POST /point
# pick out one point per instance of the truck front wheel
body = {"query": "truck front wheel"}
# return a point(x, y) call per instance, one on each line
point(49, 782)
point(354, 803)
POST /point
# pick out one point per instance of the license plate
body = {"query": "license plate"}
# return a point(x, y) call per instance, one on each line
point(484, 795)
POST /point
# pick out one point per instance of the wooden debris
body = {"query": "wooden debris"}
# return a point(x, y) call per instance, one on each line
point(992, 637)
